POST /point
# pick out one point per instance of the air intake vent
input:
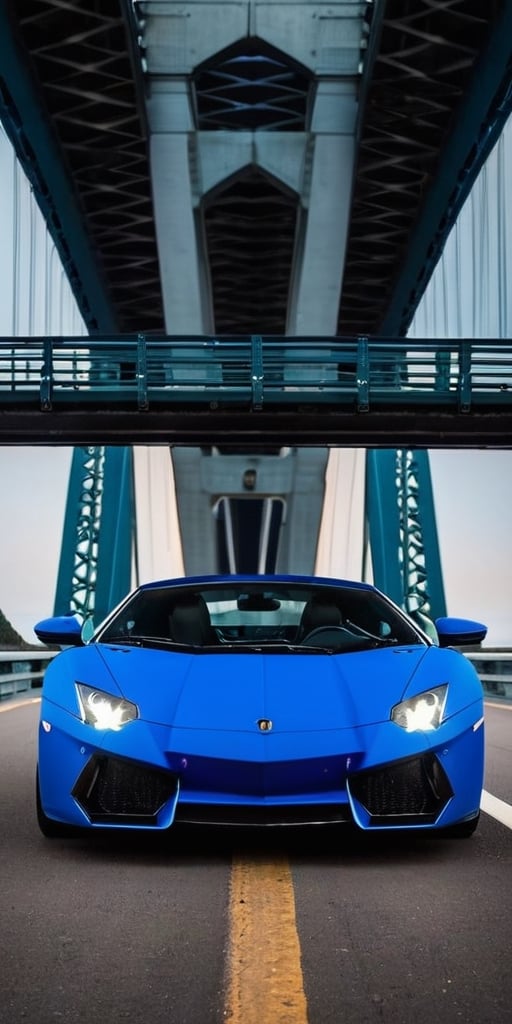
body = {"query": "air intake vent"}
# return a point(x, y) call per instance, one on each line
point(111, 788)
point(410, 792)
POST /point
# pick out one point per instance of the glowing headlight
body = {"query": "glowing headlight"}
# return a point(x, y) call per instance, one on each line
point(103, 710)
point(423, 712)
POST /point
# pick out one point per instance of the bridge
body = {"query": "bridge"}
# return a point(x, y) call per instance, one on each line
point(256, 391)
point(249, 202)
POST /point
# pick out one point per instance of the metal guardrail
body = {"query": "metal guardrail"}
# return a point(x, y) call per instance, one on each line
point(21, 671)
point(495, 671)
point(256, 370)
point(347, 377)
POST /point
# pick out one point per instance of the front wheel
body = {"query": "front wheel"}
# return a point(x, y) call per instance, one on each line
point(464, 830)
point(51, 829)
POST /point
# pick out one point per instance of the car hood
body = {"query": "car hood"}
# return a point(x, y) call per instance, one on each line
point(232, 692)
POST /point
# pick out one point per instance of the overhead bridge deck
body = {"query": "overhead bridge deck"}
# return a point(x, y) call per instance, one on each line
point(254, 391)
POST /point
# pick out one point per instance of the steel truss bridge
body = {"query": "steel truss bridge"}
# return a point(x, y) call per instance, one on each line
point(249, 201)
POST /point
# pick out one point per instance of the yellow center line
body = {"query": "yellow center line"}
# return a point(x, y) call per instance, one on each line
point(264, 970)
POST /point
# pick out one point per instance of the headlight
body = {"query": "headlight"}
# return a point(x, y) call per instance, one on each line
point(423, 712)
point(103, 710)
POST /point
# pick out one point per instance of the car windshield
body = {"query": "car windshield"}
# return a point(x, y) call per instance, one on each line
point(234, 616)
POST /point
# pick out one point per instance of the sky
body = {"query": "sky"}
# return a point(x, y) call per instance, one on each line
point(473, 501)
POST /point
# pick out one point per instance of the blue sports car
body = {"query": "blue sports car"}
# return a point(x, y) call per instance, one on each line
point(260, 700)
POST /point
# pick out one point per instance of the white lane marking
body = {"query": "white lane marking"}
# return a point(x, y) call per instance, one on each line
point(496, 808)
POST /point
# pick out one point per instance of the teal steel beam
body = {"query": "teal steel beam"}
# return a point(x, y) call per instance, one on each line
point(383, 522)
point(76, 578)
point(420, 542)
point(117, 530)
point(96, 551)
point(402, 532)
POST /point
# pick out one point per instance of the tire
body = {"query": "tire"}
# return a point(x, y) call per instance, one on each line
point(51, 829)
point(464, 830)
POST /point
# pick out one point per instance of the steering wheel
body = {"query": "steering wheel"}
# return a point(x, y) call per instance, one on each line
point(326, 636)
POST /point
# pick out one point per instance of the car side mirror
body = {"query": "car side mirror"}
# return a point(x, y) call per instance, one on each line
point(60, 631)
point(454, 632)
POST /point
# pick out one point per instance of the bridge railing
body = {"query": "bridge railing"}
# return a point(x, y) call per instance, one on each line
point(141, 370)
point(22, 671)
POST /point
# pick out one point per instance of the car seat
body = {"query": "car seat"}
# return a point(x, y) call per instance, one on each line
point(318, 612)
point(190, 623)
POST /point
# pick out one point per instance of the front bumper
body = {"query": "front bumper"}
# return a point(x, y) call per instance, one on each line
point(393, 781)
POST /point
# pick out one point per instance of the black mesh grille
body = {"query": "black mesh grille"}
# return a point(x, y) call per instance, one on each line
point(111, 788)
point(407, 792)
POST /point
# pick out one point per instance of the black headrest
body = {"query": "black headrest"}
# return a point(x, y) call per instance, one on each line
point(318, 612)
point(190, 621)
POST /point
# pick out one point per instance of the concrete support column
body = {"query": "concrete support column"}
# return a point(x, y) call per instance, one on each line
point(159, 549)
point(340, 550)
point(175, 232)
point(314, 306)
point(326, 195)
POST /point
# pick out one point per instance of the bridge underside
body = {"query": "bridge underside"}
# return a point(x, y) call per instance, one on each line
point(218, 119)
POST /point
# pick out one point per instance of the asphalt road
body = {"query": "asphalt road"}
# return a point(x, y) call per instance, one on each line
point(142, 931)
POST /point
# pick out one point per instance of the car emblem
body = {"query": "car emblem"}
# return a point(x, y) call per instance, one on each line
point(264, 724)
